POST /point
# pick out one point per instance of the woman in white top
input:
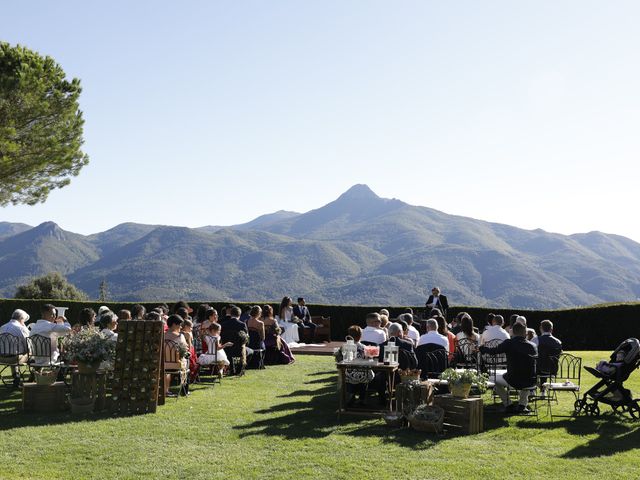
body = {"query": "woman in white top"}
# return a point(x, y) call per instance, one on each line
point(289, 328)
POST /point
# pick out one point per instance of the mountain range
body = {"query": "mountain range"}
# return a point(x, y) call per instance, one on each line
point(358, 249)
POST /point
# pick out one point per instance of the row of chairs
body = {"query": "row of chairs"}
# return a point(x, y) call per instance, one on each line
point(35, 352)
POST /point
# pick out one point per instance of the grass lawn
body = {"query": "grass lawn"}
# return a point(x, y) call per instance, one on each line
point(281, 423)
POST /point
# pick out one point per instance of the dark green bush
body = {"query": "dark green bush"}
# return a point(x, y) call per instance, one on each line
point(600, 327)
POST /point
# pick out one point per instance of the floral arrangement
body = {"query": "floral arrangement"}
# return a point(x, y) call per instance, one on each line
point(371, 351)
point(244, 337)
point(465, 377)
point(427, 413)
point(89, 346)
point(183, 350)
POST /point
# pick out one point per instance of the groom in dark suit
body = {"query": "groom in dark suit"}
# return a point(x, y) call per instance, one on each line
point(438, 301)
point(302, 312)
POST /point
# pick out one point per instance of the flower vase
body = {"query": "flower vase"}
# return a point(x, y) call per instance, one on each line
point(88, 368)
point(460, 390)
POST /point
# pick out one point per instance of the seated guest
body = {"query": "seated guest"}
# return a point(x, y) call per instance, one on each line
point(373, 334)
point(289, 326)
point(356, 381)
point(215, 353)
point(184, 313)
point(86, 319)
point(487, 323)
point(494, 331)
point(531, 335)
point(302, 312)
point(187, 331)
point(384, 311)
point(246, 313)
point(181, 304)
point(124, 315)
point(231, 328)
point(433, 337)
point(406, 354)
point(108, 325)
point(521, 368)
point(443, 330)
point(201, 311)
point(384, 324)
point(278, 352)
point(51, 326)
point(549, 349)
point(412, 334)
point(175, 335)
point(210, 316)
point(255, 324)
point(16, 327)
point(455, 326)
point(138, 312)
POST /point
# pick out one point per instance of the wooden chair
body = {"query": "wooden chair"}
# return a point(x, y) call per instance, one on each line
point(323, 329)
point(174, 365)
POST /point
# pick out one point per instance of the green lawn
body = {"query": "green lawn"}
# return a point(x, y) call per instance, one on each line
point(281, 423)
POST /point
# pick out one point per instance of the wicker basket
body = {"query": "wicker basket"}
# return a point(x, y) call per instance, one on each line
point(46, 377)
point(427, 426)
point(460, 390)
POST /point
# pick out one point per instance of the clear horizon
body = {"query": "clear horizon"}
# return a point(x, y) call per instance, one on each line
point(213, 113)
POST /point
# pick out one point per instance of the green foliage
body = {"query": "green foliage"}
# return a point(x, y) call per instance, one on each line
point(89, 346)
point(51, 286)
point(40, 126)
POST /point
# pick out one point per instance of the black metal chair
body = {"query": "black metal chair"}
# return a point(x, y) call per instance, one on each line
point(13, 356)
point(566, 379)
point(466, 354)
point(432, 360)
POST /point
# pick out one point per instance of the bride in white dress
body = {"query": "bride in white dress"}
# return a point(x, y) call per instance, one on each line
point(285, 320)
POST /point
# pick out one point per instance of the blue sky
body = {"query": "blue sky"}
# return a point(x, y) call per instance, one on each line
point(212, 113)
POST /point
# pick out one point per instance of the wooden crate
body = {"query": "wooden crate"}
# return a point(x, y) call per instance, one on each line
point(92, 385)
point(463, 414)
point(137, 369)
point(44, 398)
point(409, 398)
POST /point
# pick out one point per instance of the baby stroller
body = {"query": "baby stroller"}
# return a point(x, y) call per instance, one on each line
point(610, 389)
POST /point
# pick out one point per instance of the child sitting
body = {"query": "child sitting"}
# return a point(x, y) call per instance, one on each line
point(215, 353)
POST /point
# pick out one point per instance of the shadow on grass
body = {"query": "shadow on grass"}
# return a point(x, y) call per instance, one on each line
point(317, 417)
point(12, 416)
point(615, 434)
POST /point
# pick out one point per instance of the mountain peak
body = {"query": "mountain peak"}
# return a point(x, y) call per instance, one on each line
point(359, 191)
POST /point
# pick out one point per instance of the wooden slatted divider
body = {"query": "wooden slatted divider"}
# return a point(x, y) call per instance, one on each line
point(137, 369)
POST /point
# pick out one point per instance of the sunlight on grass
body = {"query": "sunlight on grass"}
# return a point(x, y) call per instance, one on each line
point(282, 422)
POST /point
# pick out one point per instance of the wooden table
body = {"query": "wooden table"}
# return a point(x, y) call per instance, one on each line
point(389, 370)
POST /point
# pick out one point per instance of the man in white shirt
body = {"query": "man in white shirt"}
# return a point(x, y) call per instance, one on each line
point(373, 333)
point(432, 336)
point(495, 331)
point(52, 327)
point(16, 327)
point(412, 334)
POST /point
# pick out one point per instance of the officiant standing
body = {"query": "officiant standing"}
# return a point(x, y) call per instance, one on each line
point(436, 300)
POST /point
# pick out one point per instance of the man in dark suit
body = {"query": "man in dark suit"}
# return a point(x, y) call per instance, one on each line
point(436, 300)
point(302, 312)
point(521, 368)
point(406, 359)
point(549, 349)
point(231, 327)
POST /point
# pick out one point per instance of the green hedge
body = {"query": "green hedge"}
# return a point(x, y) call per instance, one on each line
point(600, 327)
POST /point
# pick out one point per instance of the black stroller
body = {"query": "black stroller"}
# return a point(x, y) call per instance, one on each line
point(610, 389)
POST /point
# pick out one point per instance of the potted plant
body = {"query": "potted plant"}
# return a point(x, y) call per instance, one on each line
point(460, 381)
point(88, 348)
